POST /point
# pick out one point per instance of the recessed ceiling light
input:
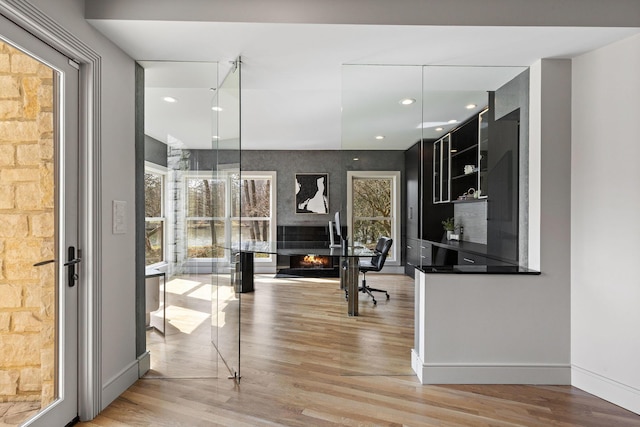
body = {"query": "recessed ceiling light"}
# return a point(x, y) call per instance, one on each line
point(356, 159)
point(380, 137)
point(169, 99)
point(452, 121)
point(407, 101)
point(439, 129)
point(471, 106)
point(216, 108)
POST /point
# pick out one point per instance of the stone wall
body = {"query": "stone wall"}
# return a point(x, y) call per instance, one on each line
point(27, 229)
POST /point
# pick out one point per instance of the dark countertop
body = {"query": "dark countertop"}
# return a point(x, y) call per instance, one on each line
point(476, 269)
point(480, 249)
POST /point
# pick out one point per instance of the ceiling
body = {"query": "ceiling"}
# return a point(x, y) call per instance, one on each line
point(315, 86)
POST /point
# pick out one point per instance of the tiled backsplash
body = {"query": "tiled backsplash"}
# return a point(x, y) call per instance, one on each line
point(473, 217)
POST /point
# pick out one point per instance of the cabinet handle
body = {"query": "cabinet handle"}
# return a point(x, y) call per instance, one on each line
point(409, 247)
point(410, 212)
point(469, 260)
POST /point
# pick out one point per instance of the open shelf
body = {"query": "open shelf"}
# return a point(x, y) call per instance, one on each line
point(457, 153)
point(474, 173)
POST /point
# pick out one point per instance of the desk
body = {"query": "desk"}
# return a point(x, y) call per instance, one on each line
point(349, 262)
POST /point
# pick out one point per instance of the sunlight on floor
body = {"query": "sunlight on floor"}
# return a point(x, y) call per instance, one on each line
point(203, 292)
point(181, 286)
point(184, 319)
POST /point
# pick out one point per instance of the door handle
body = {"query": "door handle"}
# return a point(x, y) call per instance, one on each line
point(72, 276)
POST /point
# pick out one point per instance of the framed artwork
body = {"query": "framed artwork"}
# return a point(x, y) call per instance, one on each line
point(312, 193)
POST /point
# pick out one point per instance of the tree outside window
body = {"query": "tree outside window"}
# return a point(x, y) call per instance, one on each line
point(205, 217)
point(208, 217)
point(154, 217)
point(251, 206)
point(372, 210)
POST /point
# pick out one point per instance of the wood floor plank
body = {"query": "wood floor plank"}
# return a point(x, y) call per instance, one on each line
point(305, 363)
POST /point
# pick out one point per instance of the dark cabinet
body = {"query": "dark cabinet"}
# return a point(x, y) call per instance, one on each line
point(412, 257)
point(413, 187)
point(466, 258)
point(464, 159)
point(442, 170)
point(418, 253)
point(425, 253)
point(422, 217)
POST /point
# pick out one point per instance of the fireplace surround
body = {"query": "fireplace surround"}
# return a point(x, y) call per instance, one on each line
point(309, 265)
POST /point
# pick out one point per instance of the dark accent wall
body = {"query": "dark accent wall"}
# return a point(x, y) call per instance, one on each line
point(289, 162)
point(155, 151)
point(141, 338)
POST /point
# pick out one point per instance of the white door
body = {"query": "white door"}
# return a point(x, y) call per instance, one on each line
point(38, 231)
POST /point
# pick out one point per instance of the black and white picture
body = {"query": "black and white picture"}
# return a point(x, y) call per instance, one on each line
point(312, 193)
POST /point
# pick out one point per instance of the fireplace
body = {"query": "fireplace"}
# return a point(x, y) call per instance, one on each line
point(310, 265)
point(311, 261)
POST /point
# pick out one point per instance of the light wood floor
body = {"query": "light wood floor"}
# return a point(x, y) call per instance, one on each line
point(305, 363)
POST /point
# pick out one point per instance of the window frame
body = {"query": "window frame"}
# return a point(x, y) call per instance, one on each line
point(154, 169)
point(185, 209)
point(270, 259)
point(228, 176)
point(394, 254)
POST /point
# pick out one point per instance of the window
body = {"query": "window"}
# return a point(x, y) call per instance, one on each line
point(373, 208)
point(206, 212)
point(228, 209)
point(154, 212)
point(253, 211)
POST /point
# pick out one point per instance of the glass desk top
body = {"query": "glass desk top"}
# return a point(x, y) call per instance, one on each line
point(298, 248)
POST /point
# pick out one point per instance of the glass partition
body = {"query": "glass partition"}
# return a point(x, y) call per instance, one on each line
point(226, 227)
point(381, 119)
point(184, 216)
point(430, 117)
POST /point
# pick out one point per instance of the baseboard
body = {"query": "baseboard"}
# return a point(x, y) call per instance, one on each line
point(461, 373)
point(605, 388)
point(144, 363)
point(119, 383)
point(417, 365)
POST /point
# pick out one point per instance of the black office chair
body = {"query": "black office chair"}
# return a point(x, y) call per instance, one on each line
point(375, 264)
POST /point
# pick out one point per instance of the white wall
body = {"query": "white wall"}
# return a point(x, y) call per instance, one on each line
point(118, 251)
point(605, 203)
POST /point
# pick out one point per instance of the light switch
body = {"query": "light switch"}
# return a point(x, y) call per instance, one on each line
point(119, 217)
